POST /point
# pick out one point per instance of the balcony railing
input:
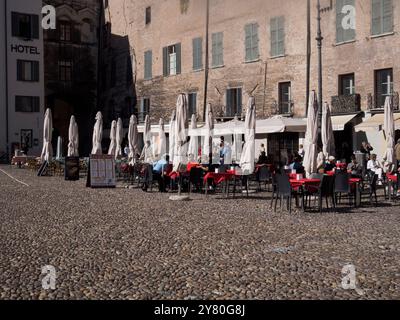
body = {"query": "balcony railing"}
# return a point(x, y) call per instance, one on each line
point(373, 103)
point(286, 108)
point(346, 104)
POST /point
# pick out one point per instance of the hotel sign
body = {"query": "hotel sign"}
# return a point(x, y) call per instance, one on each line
point(19, 48)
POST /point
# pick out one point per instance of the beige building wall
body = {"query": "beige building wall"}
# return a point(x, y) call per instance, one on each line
point(171, 24)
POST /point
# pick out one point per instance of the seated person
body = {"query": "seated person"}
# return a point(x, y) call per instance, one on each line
point(263, 159)
point(354, 167)
point(158, 172)
point(330, 164)
point(296, 165)
point(375, 166)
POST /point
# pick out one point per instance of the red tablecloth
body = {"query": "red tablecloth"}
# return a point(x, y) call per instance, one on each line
point(304, 182)
point(341, 166)
point(218, 177)
point(392, 177)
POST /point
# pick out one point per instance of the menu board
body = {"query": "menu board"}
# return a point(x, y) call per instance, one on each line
point(71, 168)
point(102, 171)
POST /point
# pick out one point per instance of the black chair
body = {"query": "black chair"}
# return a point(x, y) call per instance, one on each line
point(196, 179)
point(369, 188)
point(223, 168)
point(148, 178)
point(264, 176)
point(284, 191)
point(342, 186)
point(324, 190)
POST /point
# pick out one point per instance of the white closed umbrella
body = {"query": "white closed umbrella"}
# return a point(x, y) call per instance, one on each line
point(47, 151)
point(208, 128)
point(311, 137)
point(147, 153)
point(328, 140)
point(73, 138)
point(193, 148)
point(118, 138)
point(171, 150)
point(162, 141)
point(133, 139)
point(98, 134)
point(237, 141)
point(247, 159)
point(389, 128)
point(113, 139)
point(59, 148)
point(181, 131)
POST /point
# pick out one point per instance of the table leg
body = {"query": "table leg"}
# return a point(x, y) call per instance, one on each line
point(357, 196)
point(390, 190)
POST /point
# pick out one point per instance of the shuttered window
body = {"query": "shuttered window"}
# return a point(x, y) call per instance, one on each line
point(251, 41)
point(25, 25)
point(27, 104)
point(233, 102)
point(27, 70)
point(382, 17)
point(344, 32)
point(277, 36)
point(172, 57)
point(217, 49)
point(148, 64)
point(383, 86)
point(197, 54)
point(192, 101)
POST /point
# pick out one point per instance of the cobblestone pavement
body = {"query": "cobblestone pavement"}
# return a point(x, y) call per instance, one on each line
point(127, 244)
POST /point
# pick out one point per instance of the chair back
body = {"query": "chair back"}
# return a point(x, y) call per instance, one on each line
point(196, 175)
point(373, 179)
point(284, 189)
point(327, 186)
point(318, 176)
point(342, 182)
point(223, 168)
point(264, 174)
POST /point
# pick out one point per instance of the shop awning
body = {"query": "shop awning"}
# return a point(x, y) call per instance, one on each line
point(375, 123)
point(339, 122)
point(281, 124)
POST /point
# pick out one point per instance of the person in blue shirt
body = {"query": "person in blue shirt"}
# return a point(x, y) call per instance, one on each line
point(158, 173)
point(159, 166)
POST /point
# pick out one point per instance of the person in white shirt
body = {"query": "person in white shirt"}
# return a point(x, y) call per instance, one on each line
point(375, 166)
point(301, 151)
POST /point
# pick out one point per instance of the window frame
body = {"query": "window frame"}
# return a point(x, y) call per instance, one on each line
point(34, 104)
point(217, 50)
point(34, 70)
point(252, 42)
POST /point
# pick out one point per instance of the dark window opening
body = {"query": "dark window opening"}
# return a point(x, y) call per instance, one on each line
point(233, 102)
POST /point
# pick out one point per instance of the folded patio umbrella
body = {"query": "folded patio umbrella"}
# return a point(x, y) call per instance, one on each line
point(247, 160)
point(311, 138)
point(328, 140)
point(59, 148)
point(171, 150)
point(208, 128)
point(119, 138)
point(98, 134)
point(193, 148)
point(237, 141)
point(73, 138)
point(181, 131)
point(147, 152)
point(133, 139)
point(389, 128)
point(47, 151)
point(113, 139)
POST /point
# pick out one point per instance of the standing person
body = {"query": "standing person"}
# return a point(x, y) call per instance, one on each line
point(222, 151)
point(366, 148)
point(301, 151)
point(262, 149)
point(397, 152)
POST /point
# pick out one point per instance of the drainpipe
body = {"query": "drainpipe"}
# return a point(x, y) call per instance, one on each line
point(6, 67)
point(206, 69)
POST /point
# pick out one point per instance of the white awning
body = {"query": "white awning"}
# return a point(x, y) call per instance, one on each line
point(375, 123)
point(339, 122)
point(281, 124)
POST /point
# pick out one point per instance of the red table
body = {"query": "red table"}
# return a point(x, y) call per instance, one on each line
point(341, 165)
point(391, 179)
point(218, 177)
point(304, 183)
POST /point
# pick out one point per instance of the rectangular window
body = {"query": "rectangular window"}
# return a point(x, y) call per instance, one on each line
point(148, 15)
point(343, 34)
point(25, 25)
point(144, 109)
point(65, 71)
point(27, 104)
point(148, 65)
point(172, 60)
point(383, 86)
point(217, 49)
point(382, 17)
point(192, 100)
point(277, 25)
point(346, 84)
point(251, 42)
point(285, 98)
point(197, 54)
point(65, 31)
point(233, 102)
point(27, 70)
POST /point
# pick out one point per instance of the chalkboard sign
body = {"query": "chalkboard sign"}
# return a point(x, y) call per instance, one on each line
point(102, 171)
point(43, 169)
point(71, 168)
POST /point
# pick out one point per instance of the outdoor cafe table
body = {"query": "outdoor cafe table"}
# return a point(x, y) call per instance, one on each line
point(219, 178)
point(392, 179)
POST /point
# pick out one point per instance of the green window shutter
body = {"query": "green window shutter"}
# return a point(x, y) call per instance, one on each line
point(178, 48)
point(376, 17)
point(214, 49)
point(281, 36)
point(339, 17)
point(217, 49)
point(35, 26)
point(35, 71)
point(221, 49)
point(19, 70)
point(248, 41)
point(255, 50)
point(36, 104)
point(274, 36)
point(165, 62)
point(239, 101)
point(228, 102)
point(387, 16)
point(15, 25)
point(197, 53)
point(148, 57)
